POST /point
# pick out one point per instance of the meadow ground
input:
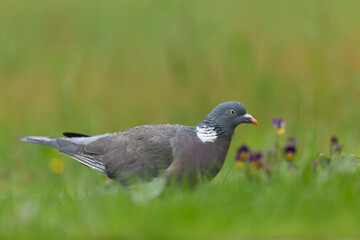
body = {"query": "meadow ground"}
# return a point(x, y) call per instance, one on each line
point(105, 66)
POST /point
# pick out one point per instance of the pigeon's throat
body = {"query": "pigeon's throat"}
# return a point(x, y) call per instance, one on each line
point(206, 134)
point(208, 130)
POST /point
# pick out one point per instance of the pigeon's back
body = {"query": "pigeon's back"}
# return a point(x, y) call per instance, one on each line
point(141, 152)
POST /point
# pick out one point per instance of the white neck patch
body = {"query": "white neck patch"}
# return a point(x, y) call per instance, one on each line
point(206, 134)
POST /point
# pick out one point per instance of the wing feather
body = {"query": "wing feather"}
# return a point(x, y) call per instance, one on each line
point(89, 160)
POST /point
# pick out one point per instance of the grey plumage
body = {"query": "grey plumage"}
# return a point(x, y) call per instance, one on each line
point(148, 151)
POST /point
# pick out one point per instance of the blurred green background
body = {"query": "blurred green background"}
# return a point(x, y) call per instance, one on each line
point(105, 66)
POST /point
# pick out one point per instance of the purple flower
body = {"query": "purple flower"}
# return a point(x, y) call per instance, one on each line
point(242, 153)
point(334, 140)
point(255, 159)
point(335, 146)
point(279, 125)
point(290, 149)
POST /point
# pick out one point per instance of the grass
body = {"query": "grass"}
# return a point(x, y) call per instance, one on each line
point(105, 66)
point(325, 205)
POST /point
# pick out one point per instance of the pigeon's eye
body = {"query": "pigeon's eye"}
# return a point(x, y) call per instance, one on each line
point(232, 112)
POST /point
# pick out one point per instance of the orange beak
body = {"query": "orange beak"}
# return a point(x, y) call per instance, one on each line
point(254, 121)
point(250, 119)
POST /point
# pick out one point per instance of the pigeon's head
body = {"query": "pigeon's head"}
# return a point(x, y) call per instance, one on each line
point(231, 114)
point(226, 117)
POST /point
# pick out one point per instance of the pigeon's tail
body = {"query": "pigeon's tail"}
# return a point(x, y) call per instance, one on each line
point(48, 141)
point(73, 148)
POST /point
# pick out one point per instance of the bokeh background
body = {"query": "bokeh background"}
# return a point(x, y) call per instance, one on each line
point(105, 66)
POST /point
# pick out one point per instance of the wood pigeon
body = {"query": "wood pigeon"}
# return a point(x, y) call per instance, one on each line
point(146, 152)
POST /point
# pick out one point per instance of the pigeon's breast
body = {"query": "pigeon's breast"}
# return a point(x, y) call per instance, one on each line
point(196, 157)
point(211, 156)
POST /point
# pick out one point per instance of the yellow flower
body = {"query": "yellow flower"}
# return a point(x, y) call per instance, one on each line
point(256, 165)
point(243, 155)
point(289, 156)
point(280, 131)
point(239, 164)
point(56, 166)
